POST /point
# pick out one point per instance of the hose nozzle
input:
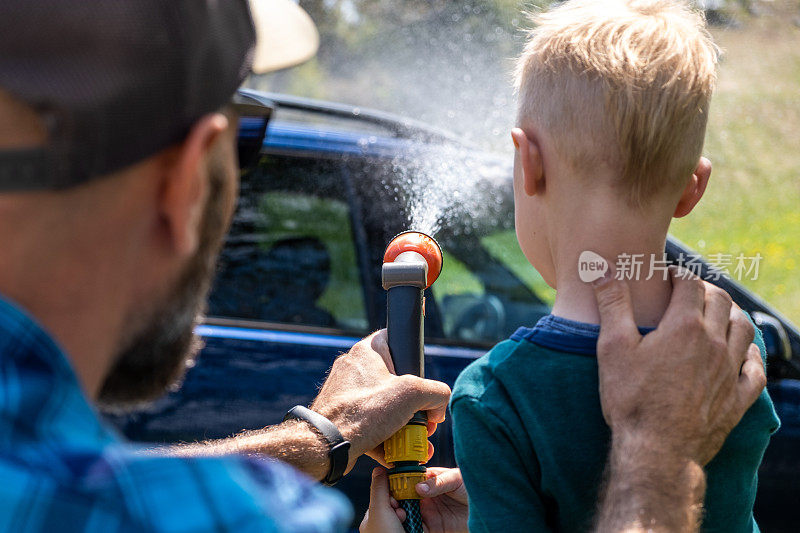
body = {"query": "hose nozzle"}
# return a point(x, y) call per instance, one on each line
point(423, 249)
point(411, 264)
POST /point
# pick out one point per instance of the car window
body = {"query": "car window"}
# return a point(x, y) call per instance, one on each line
point(503, 246)
point(487, 288)
point(290, 257)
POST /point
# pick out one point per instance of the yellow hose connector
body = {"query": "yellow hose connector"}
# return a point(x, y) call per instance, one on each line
point(403, 486)
point(408, 444)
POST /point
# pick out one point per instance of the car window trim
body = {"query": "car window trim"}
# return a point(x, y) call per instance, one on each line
point(434, 346)
point(360, 244)
point(280, 326)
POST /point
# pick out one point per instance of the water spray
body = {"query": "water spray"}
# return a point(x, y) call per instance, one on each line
point(411, 264)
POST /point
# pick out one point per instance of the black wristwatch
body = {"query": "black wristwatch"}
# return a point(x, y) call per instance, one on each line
point(338, 448)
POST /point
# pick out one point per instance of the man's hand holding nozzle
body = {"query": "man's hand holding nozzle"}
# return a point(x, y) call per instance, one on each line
point(368, 403)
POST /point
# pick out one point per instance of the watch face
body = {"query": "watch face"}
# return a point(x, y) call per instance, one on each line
point(339, 456)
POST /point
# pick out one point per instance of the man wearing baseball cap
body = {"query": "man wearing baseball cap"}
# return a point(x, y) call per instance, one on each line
point(118, 178)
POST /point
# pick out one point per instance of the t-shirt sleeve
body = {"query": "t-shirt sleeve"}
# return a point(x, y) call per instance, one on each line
point(758, 339)
point(502, 494)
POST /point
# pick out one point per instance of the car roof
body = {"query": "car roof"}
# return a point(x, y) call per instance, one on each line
point(285, 135)
point(393, 125)
point(322, 127)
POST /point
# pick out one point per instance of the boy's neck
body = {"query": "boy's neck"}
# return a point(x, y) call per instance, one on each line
point(576, 301)
point(611, 234)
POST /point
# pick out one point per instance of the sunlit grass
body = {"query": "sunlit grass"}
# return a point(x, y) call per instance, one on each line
point(752, 204)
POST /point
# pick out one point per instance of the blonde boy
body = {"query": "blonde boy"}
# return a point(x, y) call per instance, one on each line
point(613, 105)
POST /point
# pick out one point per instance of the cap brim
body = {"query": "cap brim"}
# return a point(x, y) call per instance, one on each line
point(285, 35)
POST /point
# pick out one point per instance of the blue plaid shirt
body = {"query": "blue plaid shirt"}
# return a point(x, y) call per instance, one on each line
point(61, 469)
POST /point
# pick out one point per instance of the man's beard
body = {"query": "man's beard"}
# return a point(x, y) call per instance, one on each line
point(156, 357)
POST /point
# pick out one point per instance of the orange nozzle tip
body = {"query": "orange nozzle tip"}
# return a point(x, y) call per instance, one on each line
point(425, 245)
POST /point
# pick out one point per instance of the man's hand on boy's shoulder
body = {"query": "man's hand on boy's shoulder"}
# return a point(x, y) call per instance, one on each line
point(671, 398)
point(697, 373)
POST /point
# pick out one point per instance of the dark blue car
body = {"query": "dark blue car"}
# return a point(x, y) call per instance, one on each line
point(299, 282)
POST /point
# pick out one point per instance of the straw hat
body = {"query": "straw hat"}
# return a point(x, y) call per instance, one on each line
point(286, 35)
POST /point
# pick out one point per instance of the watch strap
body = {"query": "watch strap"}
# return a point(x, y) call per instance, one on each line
point(338, 447)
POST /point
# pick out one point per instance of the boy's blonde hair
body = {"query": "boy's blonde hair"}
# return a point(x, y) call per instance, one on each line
point(621, 83)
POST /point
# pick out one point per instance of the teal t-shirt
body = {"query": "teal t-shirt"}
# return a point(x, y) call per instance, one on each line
point(532, 443)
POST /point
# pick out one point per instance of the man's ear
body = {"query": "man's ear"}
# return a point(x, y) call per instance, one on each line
point(694, 189)
point(185, 185)
point(530, 158)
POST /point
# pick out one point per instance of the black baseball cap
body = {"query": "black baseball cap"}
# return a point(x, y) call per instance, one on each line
point(118, 80)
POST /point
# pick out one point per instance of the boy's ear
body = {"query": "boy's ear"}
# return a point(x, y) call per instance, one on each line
point(694, 189)
point(185, 183)
point(530, 158)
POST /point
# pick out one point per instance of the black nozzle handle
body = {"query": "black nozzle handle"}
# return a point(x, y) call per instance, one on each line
point(405, 329)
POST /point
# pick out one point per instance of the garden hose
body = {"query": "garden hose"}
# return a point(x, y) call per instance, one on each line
point(412, 262)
